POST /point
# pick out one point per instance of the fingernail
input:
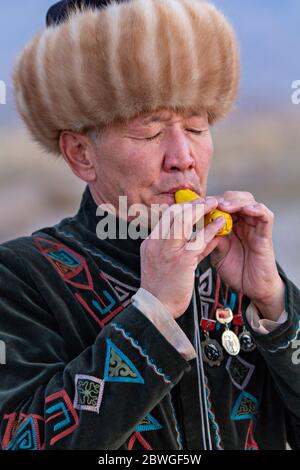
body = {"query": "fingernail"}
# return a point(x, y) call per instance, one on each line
point(211, 199)
point(226, 203)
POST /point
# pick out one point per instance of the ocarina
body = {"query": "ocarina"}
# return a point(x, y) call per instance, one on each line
point(187, 195)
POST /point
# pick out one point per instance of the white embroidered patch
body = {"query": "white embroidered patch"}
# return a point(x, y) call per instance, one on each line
point(88, 393)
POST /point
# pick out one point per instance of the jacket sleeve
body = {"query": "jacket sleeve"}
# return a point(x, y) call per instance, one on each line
point(92, 401)
point(280, 349)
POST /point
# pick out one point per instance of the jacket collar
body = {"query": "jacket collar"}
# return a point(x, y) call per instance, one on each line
point(86, 219)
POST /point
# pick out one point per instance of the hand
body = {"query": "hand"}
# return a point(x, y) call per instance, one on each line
point(168, 263)
point(245, 258)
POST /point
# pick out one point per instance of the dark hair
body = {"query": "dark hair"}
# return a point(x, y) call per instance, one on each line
point(58, 12)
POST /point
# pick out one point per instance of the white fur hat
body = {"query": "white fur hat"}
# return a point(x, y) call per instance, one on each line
point(105, 65)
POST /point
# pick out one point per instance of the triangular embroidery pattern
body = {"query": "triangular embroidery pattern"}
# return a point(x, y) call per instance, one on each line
point(63, 268)
point(149, 423)
point(25, 437)
point(251, 444)
point(122, 291)
point(118, 367)
point(70, 265)
point(245, 407)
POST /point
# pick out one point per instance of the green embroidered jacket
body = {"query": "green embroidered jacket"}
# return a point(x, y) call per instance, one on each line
point(82, 368)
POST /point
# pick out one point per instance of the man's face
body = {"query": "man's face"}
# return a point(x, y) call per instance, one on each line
point(151, 157)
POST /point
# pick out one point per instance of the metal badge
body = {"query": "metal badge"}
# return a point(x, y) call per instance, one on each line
point(212, 352)
point(224, 315)
point(246, 341)
point(231, 342)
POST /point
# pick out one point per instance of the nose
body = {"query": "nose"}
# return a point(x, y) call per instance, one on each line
point(177, 155)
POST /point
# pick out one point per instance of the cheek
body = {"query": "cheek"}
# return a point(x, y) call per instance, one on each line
point(142, 164)
point(205, 153)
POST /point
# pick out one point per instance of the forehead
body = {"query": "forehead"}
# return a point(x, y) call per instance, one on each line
point(167, 115)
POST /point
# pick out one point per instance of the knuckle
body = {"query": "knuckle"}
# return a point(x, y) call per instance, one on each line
point(249, 195)
point(230, 193)
point(239, 194)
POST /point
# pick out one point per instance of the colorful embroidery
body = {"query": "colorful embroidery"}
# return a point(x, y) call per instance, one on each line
point(122, 291)
point(250, 444)
point(246, 407)
point(205, 289)
point(74, 270)
point(89, 300)
point(62, 416)
point(23, 432)
point(118, 367)
point(149, 423)
point(138, 437)
point(240, 371)
point(101, 255)
point(88, 393)
point(284, 346)
point(135, 344)
point(212, 418)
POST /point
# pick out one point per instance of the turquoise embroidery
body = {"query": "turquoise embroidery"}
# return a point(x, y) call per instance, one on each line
point(149, 423)
point(64, 256)
point(245, 407)
point(25, 438)
point(108, 307)
point(212, 418)
point(135, 344)
point(118, 367)
point(61, 408)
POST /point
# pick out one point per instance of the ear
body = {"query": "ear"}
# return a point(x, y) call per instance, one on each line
point(79, 153)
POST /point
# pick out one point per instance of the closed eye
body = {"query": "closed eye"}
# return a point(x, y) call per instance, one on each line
point(152, 138)
point(197, 132)
point(190, 130)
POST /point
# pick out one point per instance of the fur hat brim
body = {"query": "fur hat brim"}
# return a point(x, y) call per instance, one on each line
point(102, 66)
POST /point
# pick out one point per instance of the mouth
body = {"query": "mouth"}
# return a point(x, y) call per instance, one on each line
point(171, 192)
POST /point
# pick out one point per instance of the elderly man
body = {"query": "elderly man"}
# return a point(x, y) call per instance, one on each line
point(115, 342)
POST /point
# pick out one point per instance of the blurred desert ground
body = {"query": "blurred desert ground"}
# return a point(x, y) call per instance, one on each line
point(257, 152)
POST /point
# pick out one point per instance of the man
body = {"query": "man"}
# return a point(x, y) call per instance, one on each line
point(103, 350)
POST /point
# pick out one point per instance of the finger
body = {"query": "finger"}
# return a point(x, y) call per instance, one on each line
point(206, 235)
point(260, 217)
point(189, 216)
point(162, 228)
point(232, 205)
point(196, 217)
point(238, 196)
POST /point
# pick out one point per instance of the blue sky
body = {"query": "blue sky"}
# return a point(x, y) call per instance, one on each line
point(268, 32)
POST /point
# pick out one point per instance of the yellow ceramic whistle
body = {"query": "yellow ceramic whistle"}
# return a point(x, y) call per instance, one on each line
point(187, 195)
